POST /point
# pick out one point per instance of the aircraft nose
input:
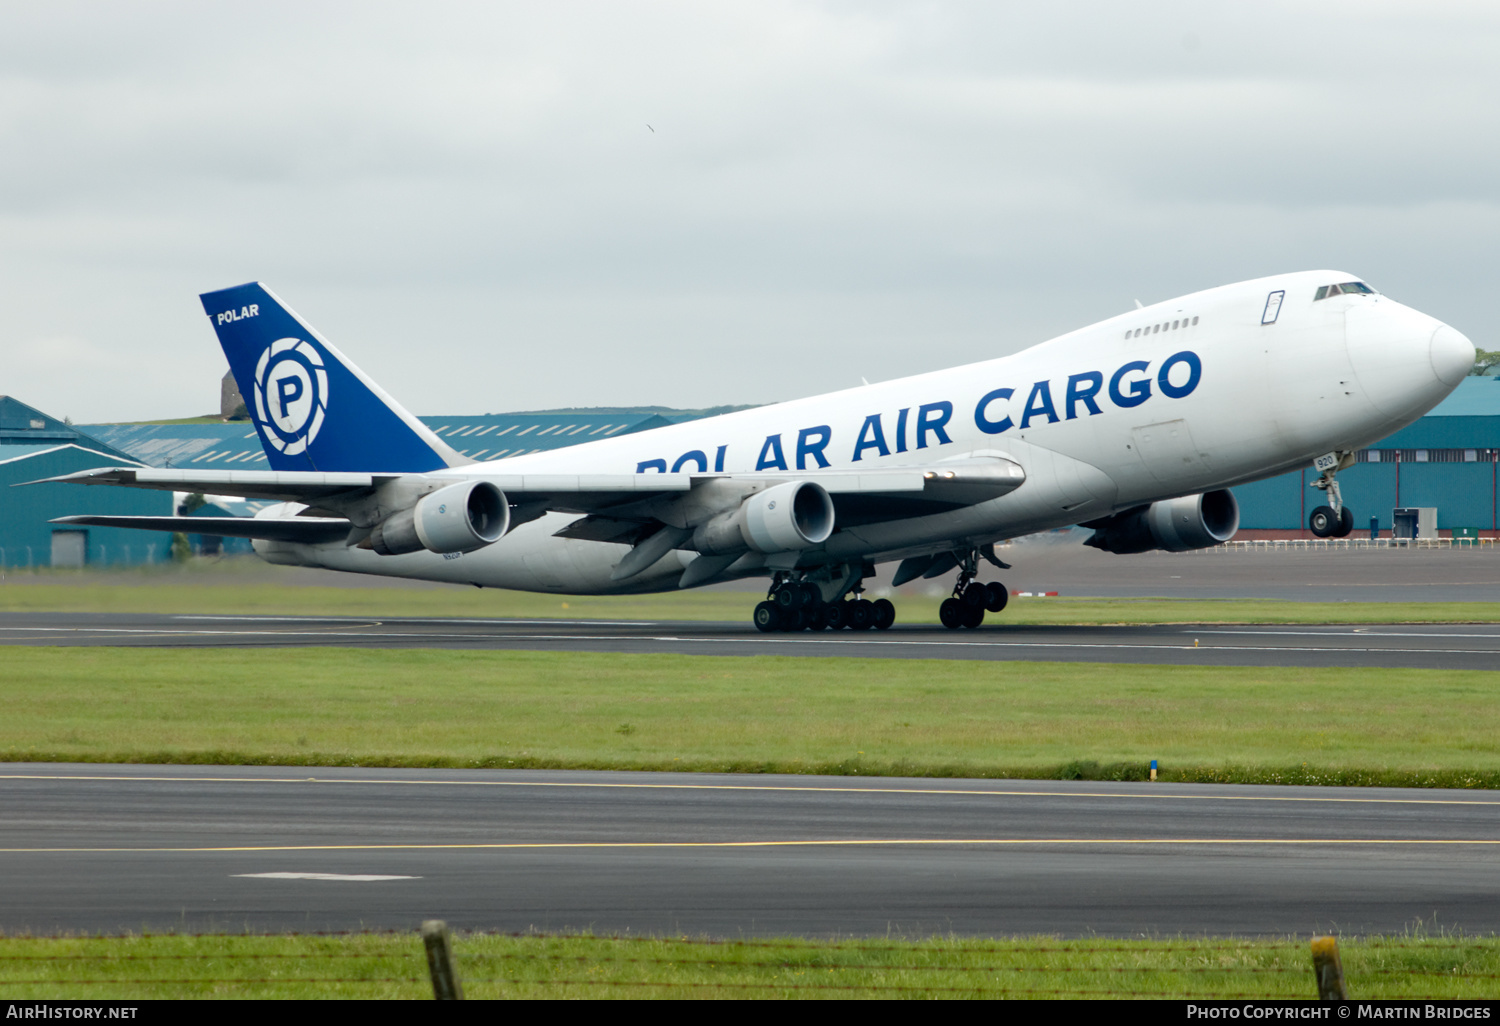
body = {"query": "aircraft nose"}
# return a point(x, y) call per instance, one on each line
point(1452, 355)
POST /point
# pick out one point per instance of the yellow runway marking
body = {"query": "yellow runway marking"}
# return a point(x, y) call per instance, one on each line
point(963, 792)
point(817, 843)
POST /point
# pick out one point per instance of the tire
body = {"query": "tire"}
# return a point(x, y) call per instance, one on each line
point(1346, 523)
point(974, 596)
point(837, 615)
point(788, 598)
point(973, 616)
point(1323, 522)
point(861, 615)
point(767, 617)
point(812, 595)
point(951, 613)
point(817, 617)
point(885, 614)
point(995, 596)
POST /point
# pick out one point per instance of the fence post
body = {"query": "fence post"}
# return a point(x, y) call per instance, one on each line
point(1328, 969)
point(445, 985)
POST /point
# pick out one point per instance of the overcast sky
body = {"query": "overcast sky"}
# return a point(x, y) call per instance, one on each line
point(468, 201)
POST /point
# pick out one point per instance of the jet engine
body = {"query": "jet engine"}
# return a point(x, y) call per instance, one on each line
point(791, 516)
point(459, 518)
point(1177, 525)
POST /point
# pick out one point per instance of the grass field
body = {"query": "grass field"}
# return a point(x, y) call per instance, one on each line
point(753, 714)
point(167, 592)
point(393, 966)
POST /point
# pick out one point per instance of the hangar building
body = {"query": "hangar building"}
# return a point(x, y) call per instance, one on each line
point(484, 438)
point(34, 445)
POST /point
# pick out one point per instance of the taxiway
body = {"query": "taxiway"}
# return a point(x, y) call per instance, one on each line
point(1435, 646)
point(115, 848)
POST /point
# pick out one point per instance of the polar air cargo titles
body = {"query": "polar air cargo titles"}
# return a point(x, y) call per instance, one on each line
point(1135, 427)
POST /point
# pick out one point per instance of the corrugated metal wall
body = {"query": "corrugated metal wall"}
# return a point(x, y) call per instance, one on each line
point(1464, 494)
point(25, 534)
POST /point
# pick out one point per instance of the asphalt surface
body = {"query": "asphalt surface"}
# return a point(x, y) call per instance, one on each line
point(114, 848)
point(1438, 646)
point(1060, 563)
point(216, 848)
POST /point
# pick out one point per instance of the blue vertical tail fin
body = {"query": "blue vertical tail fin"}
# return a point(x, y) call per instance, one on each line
point(314, 409)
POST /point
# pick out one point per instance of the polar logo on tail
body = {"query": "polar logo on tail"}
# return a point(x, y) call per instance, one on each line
point(291, 394)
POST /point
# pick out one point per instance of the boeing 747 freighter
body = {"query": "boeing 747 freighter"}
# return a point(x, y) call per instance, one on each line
point(1135, 427)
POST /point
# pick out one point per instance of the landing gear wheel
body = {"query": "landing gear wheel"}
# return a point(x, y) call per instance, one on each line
point(885, 614)
point(817, 617)
point(1323, 522)
point(861, 615)
point(788, 598)
point(837, 615)
point(1346, 523)
point(811, 596)
point(767, 617)
point(974, 596)
point(995, 596)
point(951, 613)
point(973, 616)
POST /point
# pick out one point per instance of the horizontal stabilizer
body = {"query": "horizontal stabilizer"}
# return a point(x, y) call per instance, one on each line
point(304, 530)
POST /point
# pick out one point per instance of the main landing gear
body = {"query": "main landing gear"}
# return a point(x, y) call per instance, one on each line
point(806, 605)
point(1335, 520)
point(971, 600)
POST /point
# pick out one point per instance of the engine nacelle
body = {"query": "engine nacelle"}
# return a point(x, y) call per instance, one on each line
point(1177, 525)
point(788, 517)
point(459, 518)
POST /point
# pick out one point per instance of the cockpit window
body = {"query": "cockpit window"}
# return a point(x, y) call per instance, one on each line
point(1348, 288)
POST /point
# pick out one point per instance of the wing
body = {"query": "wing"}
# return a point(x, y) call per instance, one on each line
point(279, 485)
point(306, 530)
point(631, 509)
point(858, 495)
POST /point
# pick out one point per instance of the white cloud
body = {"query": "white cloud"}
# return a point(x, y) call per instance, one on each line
point(467, 199)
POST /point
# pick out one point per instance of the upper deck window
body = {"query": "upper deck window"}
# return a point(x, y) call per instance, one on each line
point(1348, 288)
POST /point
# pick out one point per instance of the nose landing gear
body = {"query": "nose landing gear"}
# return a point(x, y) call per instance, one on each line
point(1334, 520)
point(971, 600)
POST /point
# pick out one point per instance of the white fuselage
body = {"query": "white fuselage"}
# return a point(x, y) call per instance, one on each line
point(1173, 399)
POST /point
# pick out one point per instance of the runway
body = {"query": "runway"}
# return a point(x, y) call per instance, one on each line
point(114, 848)
point(1434, 646)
